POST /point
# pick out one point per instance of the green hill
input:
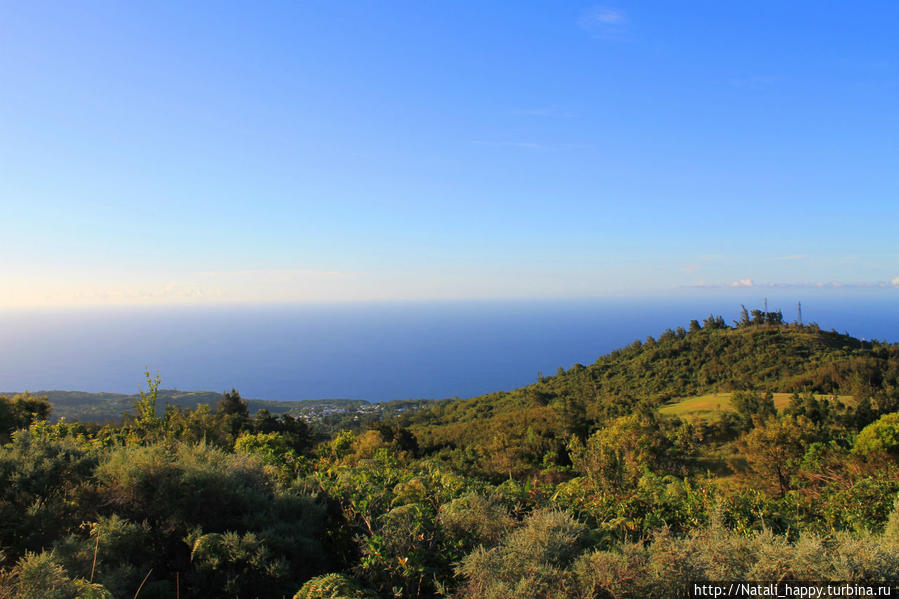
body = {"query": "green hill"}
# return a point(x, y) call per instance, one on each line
point(706, 359)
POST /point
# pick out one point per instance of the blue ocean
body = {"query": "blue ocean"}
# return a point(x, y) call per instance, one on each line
point(376, 351)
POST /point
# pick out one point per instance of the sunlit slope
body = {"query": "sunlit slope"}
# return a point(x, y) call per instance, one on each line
point(708, 405)
point(714, 359)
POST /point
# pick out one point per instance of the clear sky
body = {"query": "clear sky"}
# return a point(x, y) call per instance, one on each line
point(155, 152)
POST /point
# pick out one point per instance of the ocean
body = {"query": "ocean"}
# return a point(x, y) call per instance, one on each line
point(377, 351)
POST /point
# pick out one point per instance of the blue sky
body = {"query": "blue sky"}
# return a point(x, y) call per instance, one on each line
point(335, 151)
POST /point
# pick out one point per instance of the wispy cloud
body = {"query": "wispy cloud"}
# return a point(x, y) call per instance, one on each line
point(604, 15)
point(603, 21)
point(801, 285)
point(277, 285)
point(277, 274)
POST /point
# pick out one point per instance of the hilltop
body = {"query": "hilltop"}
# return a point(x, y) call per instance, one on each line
point(762, 354)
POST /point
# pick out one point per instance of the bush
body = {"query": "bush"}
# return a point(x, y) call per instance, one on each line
point(532, 561)
point(42, 482)
point(473, 520)
point(332, 586)
point(891, 530)
point(233, 565)
point(617, 455)
point(879, 437)
point(123, 553)
point(183, 491)
point(545, 558)
point(41, 576)
point(665, 566)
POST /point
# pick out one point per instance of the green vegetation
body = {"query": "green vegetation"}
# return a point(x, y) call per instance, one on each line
point(332, 414)
point(709, 405)
point(762, 451)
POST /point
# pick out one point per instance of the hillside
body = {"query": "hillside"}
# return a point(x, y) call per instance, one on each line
point(706, 359)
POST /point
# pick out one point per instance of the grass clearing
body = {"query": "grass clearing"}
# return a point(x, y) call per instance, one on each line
point(706, 406)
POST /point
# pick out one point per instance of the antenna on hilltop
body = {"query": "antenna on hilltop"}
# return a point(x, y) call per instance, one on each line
point(766, 304)
point(799, 309)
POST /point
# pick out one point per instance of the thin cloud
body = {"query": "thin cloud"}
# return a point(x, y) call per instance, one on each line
point(743, 283)
point(747, 283)
point(278, 273)
point(606, 22)
point(604, 15)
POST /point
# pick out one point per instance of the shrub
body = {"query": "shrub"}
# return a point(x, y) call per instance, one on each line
point(881, 436)
point(233, 565)
point(123, 553)
point(891, 530)
point(473, 520)
point(183, 490)
point(41, 576)
point(41, 486)
point(332, 586)
point(532, 561)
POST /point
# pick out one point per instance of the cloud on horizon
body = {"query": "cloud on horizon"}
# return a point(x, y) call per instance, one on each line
point(749, 283)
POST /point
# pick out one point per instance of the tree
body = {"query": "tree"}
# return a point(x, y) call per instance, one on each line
point(773, 447)
point(880, 437)
point(234, 412)
point(744, 317)
point(146, 405)
point(616, 455)
point(751, 405)
point(20, 412)
point(714, 322)
point(147, 426)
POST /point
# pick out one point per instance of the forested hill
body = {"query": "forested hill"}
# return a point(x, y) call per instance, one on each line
point(761, 353)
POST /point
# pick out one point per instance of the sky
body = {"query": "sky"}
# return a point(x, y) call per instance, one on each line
point(211, 152)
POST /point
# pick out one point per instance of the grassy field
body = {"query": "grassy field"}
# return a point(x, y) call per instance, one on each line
point(706, 406)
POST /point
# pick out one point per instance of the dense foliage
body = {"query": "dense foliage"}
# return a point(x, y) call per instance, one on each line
point(575, 486)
